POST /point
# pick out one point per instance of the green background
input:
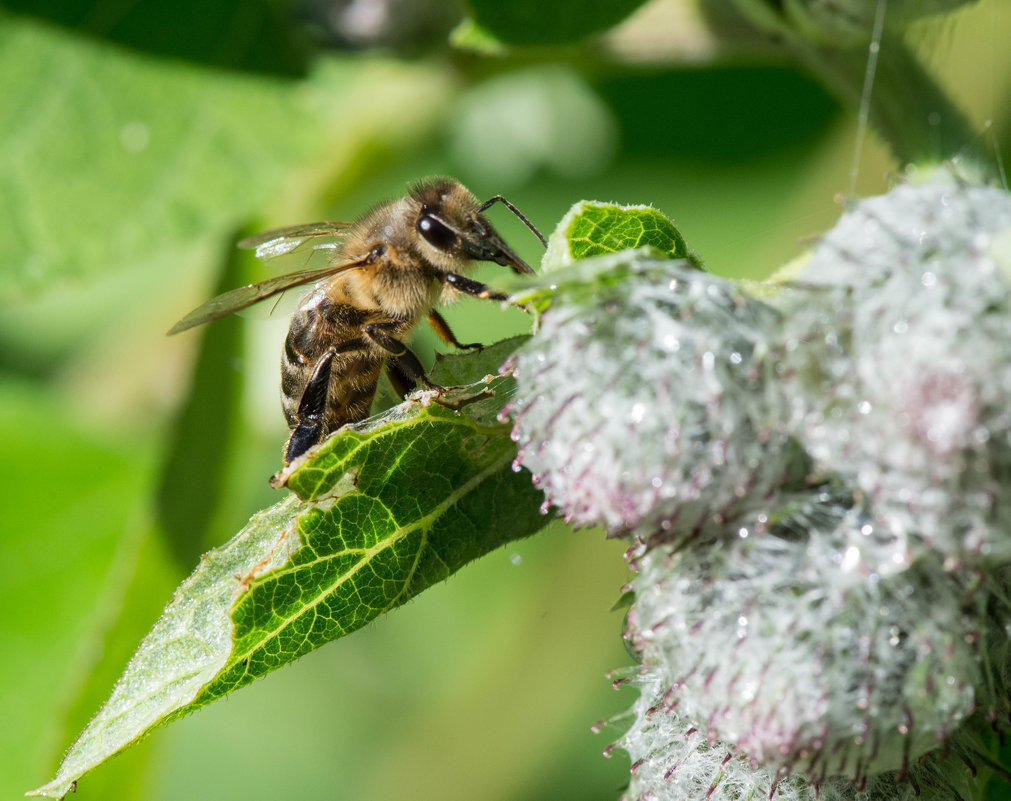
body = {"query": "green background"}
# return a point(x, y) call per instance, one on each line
point(137, 143)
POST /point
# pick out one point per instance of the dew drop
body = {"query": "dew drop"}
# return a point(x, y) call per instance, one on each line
point(851, 559)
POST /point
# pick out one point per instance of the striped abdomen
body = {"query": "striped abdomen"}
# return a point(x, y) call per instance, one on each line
point(316, 327)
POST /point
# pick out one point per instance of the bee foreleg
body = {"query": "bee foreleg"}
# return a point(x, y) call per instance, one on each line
point(441, 327)
point(471, 287)
point(311, 406)
point(401, 381)
point(402, 355)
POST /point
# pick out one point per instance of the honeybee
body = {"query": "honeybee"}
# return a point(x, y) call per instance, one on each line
point(390, 268)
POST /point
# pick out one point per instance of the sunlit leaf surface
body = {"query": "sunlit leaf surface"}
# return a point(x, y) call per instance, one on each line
point(378, 514)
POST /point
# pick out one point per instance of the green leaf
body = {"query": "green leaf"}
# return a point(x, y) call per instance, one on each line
point(381, 511)
point(468, 35)
point(255, 35)
point(528, 22)
point(74, 538)
point(204, 430)
point(594, 229)
point(165, 158)
point(588, 250)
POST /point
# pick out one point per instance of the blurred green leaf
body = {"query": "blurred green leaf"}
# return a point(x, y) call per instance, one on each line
point(740, 114)
point(255, 35)
point(109, 157)
point(204, 430)
point(468, 35)
point(381, 512)
point(528, 22)
point(111, 160)
point(76, 544)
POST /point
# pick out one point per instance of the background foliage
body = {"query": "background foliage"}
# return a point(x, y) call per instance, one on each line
point(138, 141)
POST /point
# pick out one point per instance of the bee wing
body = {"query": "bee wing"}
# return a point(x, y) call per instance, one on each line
point(244, 296)
point(279, 241)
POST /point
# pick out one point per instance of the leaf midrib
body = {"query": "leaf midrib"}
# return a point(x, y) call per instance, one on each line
point(425, 523)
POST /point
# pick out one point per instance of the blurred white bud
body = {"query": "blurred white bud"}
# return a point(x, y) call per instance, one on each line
point(510, 127)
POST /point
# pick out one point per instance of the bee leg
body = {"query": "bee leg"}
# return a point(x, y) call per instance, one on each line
point(441, 327)
point(402, 355)
point(311, 407)
point(401, 381)
point(471, 287)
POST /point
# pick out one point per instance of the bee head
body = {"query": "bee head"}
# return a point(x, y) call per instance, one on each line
point(452, 230)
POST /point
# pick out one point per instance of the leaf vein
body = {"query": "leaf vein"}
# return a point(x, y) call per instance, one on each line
point(424, 523)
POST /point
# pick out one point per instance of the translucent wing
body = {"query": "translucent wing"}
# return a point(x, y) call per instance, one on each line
point(244, 296)
point(325, 236)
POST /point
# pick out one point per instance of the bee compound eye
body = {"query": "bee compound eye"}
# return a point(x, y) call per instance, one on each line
point(435, 233)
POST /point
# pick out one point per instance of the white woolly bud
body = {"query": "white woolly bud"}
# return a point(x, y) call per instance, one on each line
point(787, 646)
point(648, 408)
point(819, 490)
point(674, 760)
point(901, 371)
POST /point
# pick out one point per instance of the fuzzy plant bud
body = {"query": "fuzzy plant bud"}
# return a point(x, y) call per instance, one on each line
point(646, 406)
point(784, 645)
point(898, 363)
point(817, 486)
point(674, 759)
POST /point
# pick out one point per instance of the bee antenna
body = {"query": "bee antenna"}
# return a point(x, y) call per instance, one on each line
point(517, 212)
